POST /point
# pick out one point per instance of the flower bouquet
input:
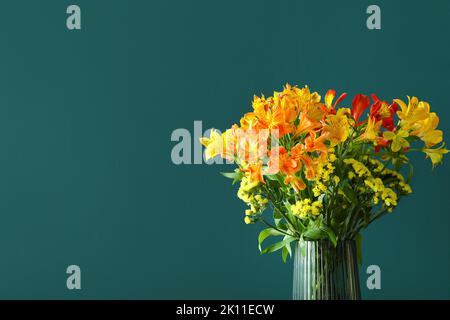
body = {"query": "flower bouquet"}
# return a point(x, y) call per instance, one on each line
point(325, 173)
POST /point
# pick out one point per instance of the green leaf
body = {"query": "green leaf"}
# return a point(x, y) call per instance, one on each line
point(330, 233)
point(317, 230)
point(230, 175)
point(284, 254)
point(274, 247)
point(288, 245)
point(267, 233)
point(236, 175)
point(314, 231)
point(272, 177)
point(358, 240)
point(277, 246)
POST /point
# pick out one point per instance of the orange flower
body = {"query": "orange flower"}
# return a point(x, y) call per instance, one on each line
point(250, 121)
point(274, 114)
point(296, 183)
point(299, 153)
point(280, 161)
point(316, 144)
point(306, 124)
point(254, 172)
point(251, 144)
point(282, 120)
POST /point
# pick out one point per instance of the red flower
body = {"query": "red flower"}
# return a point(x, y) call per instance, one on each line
point(359, 105)
point(380, 110)
point(381, 143)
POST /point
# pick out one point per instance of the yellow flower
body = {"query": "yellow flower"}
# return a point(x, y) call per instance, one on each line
point(230, 142)
point(319, 189)
point(306, 207)
point(418, 121)
point(426, 130)
point(415, 111)
point(360, 169)
point(375, 184)
point(247, 184)
point(405, 187)
point(337, 127)
point(213, 144)
point(398, 139)
point(435, 154)
point(246, 193)
point(379, 167)
point(389, 196)
point(432, 137)
point(372, 130)
point(315, 208)
point(249, 121)
point(248, 220)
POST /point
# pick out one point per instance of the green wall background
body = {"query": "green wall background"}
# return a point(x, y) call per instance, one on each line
point(86, 117)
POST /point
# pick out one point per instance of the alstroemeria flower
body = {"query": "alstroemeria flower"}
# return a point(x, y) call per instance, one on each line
point(213, 144)
point(280, 161)
point(426, 130)
point(306, 124)
point(251, 144)
point(300, 154)
point(435, 154)
point(254, 173)
point(230, 142)
point(419, 121)
point(380, 110)
point(337, 127)
point(414, 112)
point(380, 142)
point(359, 105)
point(398, 139)
point(313, 143)
point(329, 97)
point(295, 182)
point(372, 130)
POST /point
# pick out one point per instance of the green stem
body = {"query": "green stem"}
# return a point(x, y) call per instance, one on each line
point(290, 223)
point(376, 216)
point(273, 227)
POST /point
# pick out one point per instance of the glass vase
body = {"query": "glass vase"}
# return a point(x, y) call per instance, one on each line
point(325, 272)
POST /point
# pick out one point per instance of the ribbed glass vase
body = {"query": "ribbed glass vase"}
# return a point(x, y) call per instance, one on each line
point(325, 272)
